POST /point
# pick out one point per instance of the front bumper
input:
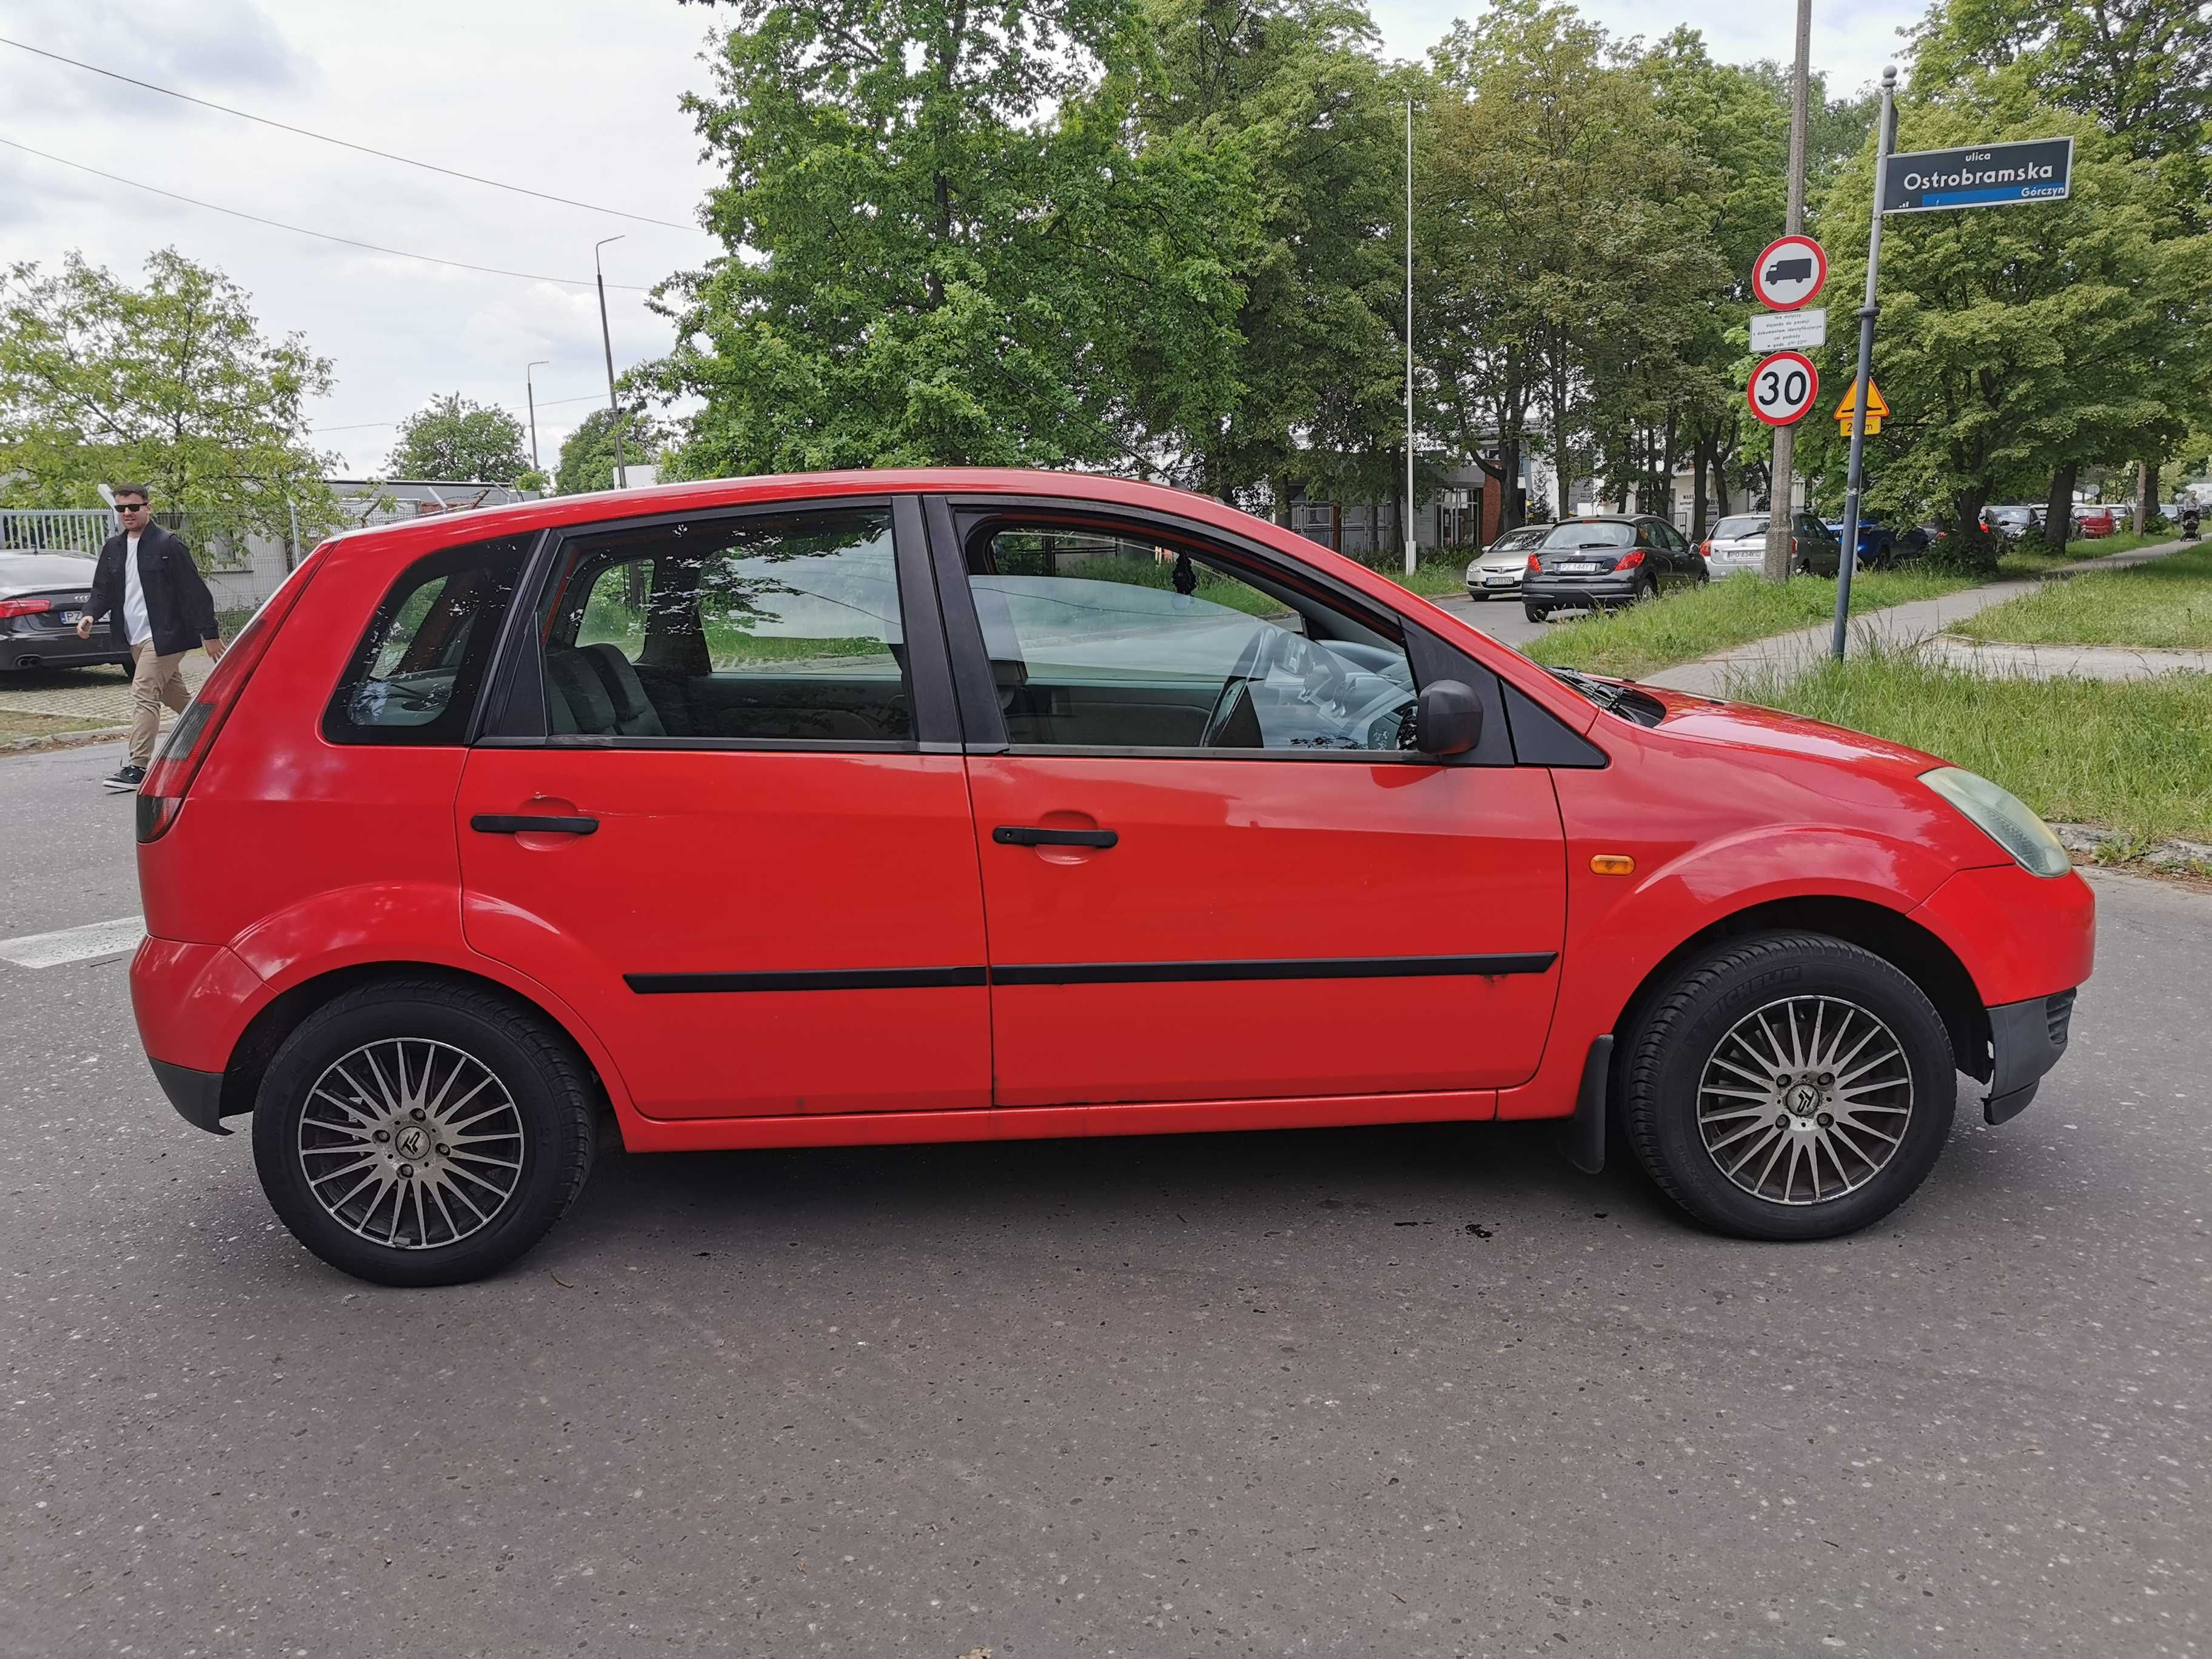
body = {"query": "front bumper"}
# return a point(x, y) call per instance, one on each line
point(2026, 1040)
point(1494, 584)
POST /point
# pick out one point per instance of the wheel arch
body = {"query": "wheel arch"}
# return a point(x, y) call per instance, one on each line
point(1890, 934)
point(283, 1014)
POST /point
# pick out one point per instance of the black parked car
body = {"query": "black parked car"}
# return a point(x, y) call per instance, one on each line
point(41, 597)
point(1594, 562)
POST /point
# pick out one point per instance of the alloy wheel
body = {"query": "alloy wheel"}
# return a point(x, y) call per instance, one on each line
point(1805, 1100)
point(410, 1143)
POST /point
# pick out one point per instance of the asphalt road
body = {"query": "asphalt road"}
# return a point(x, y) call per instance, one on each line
point(1395, 1393)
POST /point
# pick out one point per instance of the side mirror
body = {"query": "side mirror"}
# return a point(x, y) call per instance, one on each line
point(1447, 719)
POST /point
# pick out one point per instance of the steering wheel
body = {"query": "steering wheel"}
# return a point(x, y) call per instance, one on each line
point(1262, 652)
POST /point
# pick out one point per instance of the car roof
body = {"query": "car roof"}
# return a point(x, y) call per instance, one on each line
point(22, 568)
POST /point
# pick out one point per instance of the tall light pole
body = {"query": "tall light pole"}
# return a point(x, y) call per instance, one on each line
point(1410, 556)
point(530, 392)
point(606, 340)
point(1782, 477)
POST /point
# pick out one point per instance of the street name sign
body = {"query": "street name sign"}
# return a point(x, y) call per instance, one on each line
point(1784, 388)
point(1986, 175)
point(1788, 273)
point(1790, 331)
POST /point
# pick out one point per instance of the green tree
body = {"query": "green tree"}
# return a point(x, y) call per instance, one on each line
point(943, 247)
point(587, 454)
point(1575, 267)
point(2010, 337)
point(172, 385)
point(453, 437)
point(1290, 93)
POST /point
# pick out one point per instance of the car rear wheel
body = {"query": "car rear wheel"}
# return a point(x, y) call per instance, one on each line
point(1537, 612)
point(419, 1133)
point(1790, 1086)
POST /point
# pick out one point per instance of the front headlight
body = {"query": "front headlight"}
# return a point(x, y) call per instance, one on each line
point(2003, 817)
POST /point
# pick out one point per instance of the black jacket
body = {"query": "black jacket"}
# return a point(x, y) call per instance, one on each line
point(178, 602)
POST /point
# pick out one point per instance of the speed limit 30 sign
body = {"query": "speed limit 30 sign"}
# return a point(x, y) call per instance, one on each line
point(1784, 388)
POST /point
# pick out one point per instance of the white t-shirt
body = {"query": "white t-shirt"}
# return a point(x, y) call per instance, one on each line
point(135, 625)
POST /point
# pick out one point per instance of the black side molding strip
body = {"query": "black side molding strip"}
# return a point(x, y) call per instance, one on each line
point(835, 979)
point(1097, 973)
point(1164, 973)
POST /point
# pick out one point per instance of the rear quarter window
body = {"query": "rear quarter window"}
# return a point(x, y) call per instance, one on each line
point(419, 669)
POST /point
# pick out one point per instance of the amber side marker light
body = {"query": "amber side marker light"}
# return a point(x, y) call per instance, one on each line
point(1613, 864)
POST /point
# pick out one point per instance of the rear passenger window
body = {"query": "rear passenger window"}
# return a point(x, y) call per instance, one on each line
point(416, 675)
point(774, 629)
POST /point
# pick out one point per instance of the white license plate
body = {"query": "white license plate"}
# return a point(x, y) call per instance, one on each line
point(71, 618)
point(1577, 566)
point(1506, 581)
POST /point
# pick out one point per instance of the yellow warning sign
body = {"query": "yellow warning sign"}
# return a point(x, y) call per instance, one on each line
point(1877, 406)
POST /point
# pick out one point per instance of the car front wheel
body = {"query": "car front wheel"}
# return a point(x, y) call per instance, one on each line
point(421, 1133)
point(1790, 1086)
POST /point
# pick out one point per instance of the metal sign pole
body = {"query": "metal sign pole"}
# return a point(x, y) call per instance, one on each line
point(1848, 555)
point(1412, 557)
point(1782, 468)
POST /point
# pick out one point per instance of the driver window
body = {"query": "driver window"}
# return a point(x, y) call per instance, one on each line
point(1098, 641)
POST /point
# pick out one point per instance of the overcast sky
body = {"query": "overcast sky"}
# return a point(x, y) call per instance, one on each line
point(576, 97)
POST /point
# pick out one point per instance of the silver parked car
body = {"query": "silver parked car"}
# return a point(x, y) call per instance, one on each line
point(1495, 573)
point(1737, 541)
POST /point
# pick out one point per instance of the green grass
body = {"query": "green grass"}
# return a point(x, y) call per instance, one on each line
point(2166, 602)
point(2033, 558)
point(1431, 577)
point(16, 725)
point(1733, 611)
point(2131, 755)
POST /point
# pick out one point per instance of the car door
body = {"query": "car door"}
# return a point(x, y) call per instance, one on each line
point(1212, 867)
point(721, 815)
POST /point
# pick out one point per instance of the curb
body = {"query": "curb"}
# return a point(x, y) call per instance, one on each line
point(2112, 850)
point(64, 739)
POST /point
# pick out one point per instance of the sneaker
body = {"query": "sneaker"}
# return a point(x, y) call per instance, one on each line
point(123, 781)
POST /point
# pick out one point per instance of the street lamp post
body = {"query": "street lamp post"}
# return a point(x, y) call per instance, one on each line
point(606, 340)
point(530, 392)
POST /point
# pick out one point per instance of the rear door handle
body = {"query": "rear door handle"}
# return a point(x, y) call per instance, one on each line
point(1016, 834)
point(524, 823)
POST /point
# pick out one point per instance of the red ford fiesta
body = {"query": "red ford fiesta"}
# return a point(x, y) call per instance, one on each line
point(909, 806)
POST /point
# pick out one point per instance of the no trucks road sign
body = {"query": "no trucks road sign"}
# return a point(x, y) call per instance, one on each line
point(1986, 175)
point(1789, 272)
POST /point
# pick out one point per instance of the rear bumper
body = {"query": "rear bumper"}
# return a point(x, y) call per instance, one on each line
point(1578, 590)
point(197, 1095)
point(29, 652)
point(192, 1002)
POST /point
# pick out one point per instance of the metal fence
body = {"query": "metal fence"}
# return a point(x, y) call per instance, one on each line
point(41, 530)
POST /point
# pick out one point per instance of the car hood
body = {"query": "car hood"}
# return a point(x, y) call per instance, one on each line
point(1748, 726)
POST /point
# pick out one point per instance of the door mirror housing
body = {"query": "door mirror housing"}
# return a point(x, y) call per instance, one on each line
point(1447, 719)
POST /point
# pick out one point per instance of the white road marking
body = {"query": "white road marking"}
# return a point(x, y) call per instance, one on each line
point(94, 940)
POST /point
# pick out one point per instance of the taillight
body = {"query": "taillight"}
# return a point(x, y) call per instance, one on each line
point(25, 607)
point(1705, 550)
point(162, 795)
point(1536, 562)
point(1631, 559)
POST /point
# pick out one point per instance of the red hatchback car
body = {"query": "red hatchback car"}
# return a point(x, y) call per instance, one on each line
point(941, 805)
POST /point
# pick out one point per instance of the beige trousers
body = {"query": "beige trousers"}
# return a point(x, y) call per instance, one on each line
point(154, 681)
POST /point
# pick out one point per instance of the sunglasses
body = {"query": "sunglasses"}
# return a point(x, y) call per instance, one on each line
point(130, 507)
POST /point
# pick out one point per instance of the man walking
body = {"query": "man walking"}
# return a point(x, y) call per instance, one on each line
point(146, 577)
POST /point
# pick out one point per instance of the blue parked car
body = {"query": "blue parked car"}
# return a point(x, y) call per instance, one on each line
point(1878, 544)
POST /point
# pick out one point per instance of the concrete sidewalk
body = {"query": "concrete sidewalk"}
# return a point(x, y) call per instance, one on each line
point(1785, 656)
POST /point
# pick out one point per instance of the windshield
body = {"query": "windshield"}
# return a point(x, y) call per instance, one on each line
point(2009, 514)
point(1738, 526)
point(1516, 540)
point(1590, 534)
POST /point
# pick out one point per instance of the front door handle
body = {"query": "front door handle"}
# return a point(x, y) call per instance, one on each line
point(532, 824)
point(1016, 834)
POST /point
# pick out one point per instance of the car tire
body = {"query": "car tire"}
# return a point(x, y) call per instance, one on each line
point(1537, 613)
point(1824, 1158)
point(494, 1076)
